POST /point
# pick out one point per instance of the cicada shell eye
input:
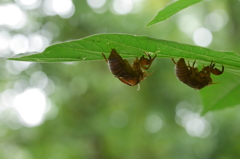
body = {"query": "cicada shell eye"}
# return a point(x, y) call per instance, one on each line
point(144, 61)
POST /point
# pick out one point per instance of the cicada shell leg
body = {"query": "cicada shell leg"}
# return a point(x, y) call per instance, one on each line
point(144, 61)
point(174, 61)
point(138, 87)
point(104, 57)
point(216, 71)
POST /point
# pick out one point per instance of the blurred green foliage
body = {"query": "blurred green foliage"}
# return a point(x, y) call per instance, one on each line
point(99, 117)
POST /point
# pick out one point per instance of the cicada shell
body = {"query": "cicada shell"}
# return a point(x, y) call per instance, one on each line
point(190, 75)
point(127, 74)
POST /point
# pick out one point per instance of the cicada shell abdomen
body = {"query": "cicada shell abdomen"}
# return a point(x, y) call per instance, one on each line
point(121, 69)
point(181, 70)
point(116, 64)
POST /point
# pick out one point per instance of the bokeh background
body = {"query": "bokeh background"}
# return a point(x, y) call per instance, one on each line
point(78, 110)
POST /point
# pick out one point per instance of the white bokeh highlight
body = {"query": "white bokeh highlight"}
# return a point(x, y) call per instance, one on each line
point(38, 80)
point(188, 23)
point(153, 123)
point(30, 105)
point(29, 4)
point(19, 44)
point(96, 4)
point(64, 8)
point(216, 20)
point(5, 38)
point(12, 16)
point(123, 6)
point(194, 124)
point(37, 42)
point(202, 37)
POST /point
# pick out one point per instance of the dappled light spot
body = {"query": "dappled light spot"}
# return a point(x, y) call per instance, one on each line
point(7, 98)
point(122, 6)
point(64, 8)
point(10, 68)
point(98, 6)
point(50, 88)
point(216, 20)
point(194, 124)
point(26, 107)
point(12, 16)
point(153, 123)
point(118, 119)
point(29, 4)
point(30, 105)
point(21, 84)
point(95, 4)
point(188, 23)
point(52, 28)
point(37, 42)
point(202, 37)
point(21, 65)
point(5, 38)
point(19, 44)
point(69, 63)
point(197, 126)
point(47, 8)
point(16, 67)
point(38, 80)
point(12, 119)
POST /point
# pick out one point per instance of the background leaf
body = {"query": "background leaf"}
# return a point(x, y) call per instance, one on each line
point(129, 46)
point(224, 94)
point(172, 9)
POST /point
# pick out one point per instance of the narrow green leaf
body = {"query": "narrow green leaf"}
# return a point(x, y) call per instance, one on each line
point(222, 95)
point(172, 9)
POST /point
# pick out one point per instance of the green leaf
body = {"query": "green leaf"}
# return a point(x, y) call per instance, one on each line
point(222, 95)
point(131, 46)
point(172, 9)
point(128, 46)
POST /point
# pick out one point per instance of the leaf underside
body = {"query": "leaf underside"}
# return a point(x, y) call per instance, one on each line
point(130, 46)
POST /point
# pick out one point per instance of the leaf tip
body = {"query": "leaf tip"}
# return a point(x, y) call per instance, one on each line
point(150, 23)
